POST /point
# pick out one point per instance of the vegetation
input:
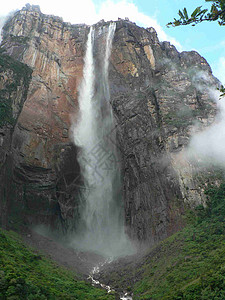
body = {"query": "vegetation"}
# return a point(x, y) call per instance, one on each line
point(222, 90)
point(19, 74)
point(184, 116)
point(28, 275)
point(173, 118)
point(216, 13)
point(191, 263)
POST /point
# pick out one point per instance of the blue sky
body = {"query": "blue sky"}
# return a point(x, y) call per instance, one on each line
point(206, 38)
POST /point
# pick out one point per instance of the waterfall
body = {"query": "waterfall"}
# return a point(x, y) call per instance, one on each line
point(101, 226)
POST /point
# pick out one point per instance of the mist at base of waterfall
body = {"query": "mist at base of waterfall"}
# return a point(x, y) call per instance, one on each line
point(117, 246)
point(116, 249)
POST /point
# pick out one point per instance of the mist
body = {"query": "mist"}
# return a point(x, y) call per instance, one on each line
point(3, 19)
point(207, 146)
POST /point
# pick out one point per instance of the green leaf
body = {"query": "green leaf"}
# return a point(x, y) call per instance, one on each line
point(214, 9)
point(196, 12)
point(204, 11)
point(169, 24)
point(177, 22)
point(185, 13)
point(181, 14)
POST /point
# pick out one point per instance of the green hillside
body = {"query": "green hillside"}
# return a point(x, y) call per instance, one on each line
point(27, 275)
point(191, 263)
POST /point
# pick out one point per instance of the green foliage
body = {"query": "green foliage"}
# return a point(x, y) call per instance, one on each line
point(20, 39)
point(222, 91)
point(191, 263)
point(21, 75)
point(216, 13)
point(178, 118)
point(182, 117)
point(27, 275)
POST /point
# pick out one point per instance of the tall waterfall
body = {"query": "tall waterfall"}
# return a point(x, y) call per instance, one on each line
point(101, 225)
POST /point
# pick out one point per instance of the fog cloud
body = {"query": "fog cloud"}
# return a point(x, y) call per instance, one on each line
point(207, 147)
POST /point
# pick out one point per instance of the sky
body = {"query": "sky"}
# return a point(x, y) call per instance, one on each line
point(206, 38)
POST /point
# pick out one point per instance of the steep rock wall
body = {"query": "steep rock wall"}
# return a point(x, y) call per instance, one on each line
point(155, 102)
point(14, 83)
point(46, 168)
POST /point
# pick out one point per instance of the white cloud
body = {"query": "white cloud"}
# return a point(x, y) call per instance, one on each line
point(86, 11)
point(2, 21)
point(111, 10)
point(82, 11)
point(207, 147)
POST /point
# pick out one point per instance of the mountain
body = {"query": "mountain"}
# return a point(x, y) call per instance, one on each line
point(158, 95)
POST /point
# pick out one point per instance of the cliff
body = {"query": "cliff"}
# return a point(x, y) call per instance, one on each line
point(45, 159)
point(14, 83)
point(156, 103)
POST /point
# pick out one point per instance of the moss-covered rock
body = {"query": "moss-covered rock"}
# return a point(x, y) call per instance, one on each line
point(14, 75)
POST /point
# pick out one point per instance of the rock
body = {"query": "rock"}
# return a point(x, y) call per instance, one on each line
point(156, 112)
point(14, 83)
point(156, 103)
point(46, 177)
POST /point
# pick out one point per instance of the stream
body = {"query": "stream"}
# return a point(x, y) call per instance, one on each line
point(96, 270)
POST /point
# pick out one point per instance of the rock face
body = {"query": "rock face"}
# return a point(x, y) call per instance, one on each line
point(156, 103)
point(45, 168)
point(14, 83)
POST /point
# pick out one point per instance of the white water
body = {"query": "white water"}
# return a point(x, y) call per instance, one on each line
point(96, 270)
point(95, 282)
point(101, 227)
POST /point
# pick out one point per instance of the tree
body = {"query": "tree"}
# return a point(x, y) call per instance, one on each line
point(215, 13)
